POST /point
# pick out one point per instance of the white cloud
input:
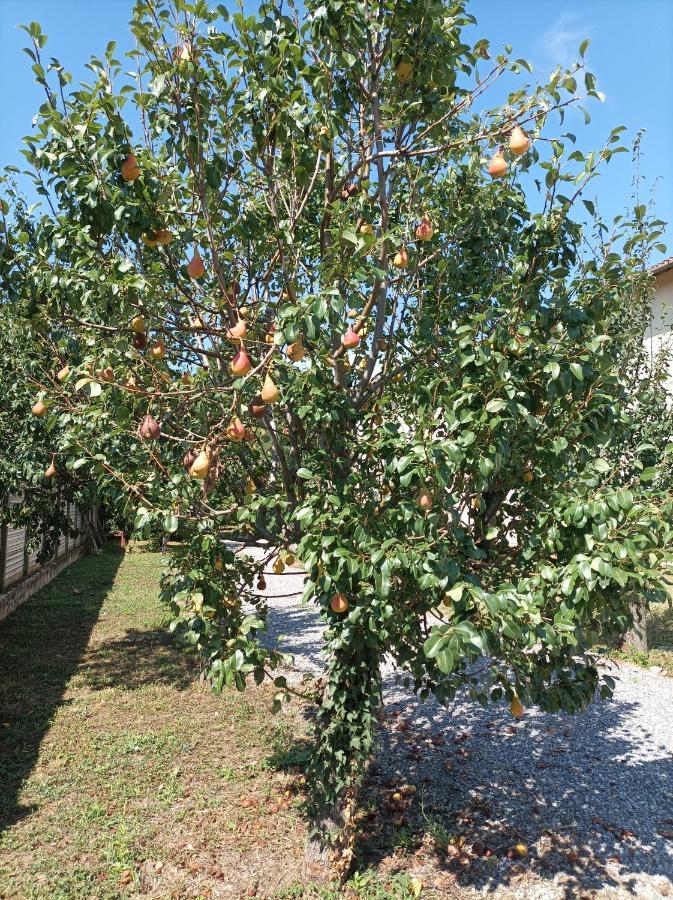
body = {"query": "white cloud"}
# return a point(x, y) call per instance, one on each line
point(559, 44)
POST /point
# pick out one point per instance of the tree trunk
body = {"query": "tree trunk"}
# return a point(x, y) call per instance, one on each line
point(636, 637)
point(329, 860)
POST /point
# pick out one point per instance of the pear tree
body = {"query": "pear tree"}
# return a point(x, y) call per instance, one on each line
point(328, 276)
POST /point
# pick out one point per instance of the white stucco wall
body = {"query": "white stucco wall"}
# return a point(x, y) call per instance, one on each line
point(660, 332)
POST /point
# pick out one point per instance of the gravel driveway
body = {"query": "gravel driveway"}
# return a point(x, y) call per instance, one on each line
point(591, 795)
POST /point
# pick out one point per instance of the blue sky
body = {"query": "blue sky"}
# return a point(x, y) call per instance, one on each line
point(631, 53)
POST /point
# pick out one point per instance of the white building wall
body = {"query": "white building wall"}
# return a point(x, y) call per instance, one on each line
point(659, 335)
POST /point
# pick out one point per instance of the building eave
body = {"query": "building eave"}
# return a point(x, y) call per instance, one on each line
point(664, 266)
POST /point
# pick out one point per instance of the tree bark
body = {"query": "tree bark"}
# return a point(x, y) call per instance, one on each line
point(328, 861)
point(636, 637)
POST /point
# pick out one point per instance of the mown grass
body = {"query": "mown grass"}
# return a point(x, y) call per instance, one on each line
point(120, 773)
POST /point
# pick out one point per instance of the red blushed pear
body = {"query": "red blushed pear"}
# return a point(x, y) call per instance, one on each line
point(240, 364)
point(130, 168)
point(140, 340)
point(257, 408)
point(401, 258)
point(39, 408)
point(269, 393)
point(339, 603)
point(425, 229)
point(498, 165)
point(235, 430)
point(237, 332)
point(149, 429)
point(424, 499)
point(350, 339)
point(195, 267)
point(50, 471)
point(106, 375)
point(519, 141)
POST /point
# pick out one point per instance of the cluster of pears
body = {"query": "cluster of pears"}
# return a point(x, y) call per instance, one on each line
point(519, 142)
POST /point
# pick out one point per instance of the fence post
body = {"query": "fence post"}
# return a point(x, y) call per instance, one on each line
point(3, 549)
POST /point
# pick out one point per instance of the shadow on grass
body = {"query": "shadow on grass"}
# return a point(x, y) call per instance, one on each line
point(139, 659)
point(41, 645)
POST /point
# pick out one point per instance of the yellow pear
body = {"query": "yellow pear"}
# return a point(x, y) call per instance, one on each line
point(278, 566)
point(250, 487)
point(148, 240)
point(516, 707)
point(237, 332)
point(401, 258)
point(163, 236)
point(366, 228)
point(269, 393)
point(158, 350)
point(138, 324)
point(39, 408)
point(519, 141)
point(50, 471)
point(404, 71)
point(296, 351)
point(199, 468)
point(63, 373)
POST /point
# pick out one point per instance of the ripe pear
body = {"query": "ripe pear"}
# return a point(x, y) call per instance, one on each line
point(269, 393)
point(261, 583)
point(199, 468)
point(339, 603)
point(149, 429)
point(257, 408)
point(149, 240)
point(250, 487)
point(130, 168)
point(401, 258)
point(424, 499)
point(528, 475)
point(235, 429)
point(50, 471)
point(278, 566)
point(140, 340)
point(516, 707)
point(131, 384)
point(296, 351)
point(63, 373)
point(39, 408)
point(186, 378)
point(404, 70)
point(163, 236)
point(519, 141)
point(237, 332)
point(106, 375)
point(350, 339)
point(195, 267)
point(498, 165)
point(425, 229)
point(138, 324)
point(218, 563)
point(188, 458)
point(158, 349)
point(366, 228)
point(240, 364)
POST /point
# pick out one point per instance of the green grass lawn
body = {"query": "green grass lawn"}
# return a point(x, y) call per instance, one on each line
point(121, 775)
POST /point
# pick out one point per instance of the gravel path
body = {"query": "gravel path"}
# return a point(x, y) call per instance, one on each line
point(591, 795)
